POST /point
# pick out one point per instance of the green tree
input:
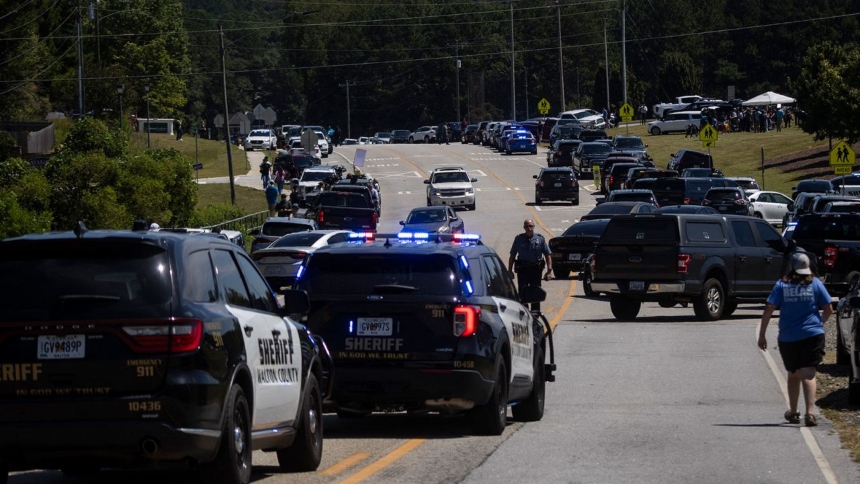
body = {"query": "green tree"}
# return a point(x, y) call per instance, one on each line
point(828, 89)
point(24, 199)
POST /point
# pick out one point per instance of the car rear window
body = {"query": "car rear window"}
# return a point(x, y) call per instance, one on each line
point(300, 239)
point(557, 175)
point(836, 227)
point(648, 230)
point(58, 281)
point(278, 229)
point(705, 232)
point(596, 148)
point(352, 274)
point(723, 195)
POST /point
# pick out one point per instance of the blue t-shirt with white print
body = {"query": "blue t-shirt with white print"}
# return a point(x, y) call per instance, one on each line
point(798, 309)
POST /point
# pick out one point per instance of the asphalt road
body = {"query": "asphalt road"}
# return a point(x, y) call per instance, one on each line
point(664, 399)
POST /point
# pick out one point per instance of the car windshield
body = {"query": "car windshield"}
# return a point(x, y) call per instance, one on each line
point(630, 197)
point(596, 148)
point(301, 239)
point(585, 229)
point(584, 114)
point(400, 132)
point(453, 177)
point(723, 195)
point(315, 175)
point(383, 135)
point(425, 216)
point(551, 176)
point(259, 133)
point(629, 143)
point(278, 229)
point(611, 208)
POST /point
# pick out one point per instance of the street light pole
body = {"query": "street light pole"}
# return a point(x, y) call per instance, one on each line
point(119, 89)
point(348, 114)
point(513, 82)
point(148, 143)
point(560, 58)
point(457, 47)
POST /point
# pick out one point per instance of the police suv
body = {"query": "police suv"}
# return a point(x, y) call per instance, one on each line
point(123, 348)
point(421, 322)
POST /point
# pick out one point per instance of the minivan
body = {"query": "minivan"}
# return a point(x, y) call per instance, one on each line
point(677, 121)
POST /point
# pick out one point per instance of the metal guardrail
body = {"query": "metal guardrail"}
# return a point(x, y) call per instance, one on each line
point(243, 224)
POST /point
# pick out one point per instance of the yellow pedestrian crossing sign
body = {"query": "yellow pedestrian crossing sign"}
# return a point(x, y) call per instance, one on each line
point(543, 106)
point(842, 155)
point(626, 112)
point(708, 134)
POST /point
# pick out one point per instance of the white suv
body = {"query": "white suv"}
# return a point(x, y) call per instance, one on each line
point(450, 185)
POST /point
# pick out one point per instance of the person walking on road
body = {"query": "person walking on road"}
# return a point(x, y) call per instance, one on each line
point(265, 172)
point(529, 255)
point(799, 296)
point(272, 198)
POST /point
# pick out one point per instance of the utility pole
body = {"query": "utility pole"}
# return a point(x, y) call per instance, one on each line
point(513, 59)
point(606, 55)
point(457, 47)
point(624, 47)
point(80, 66)
point(560, 58)
point(227, 115)
point(348, 115)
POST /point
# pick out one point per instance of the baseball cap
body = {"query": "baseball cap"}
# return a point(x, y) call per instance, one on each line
point(800, 264)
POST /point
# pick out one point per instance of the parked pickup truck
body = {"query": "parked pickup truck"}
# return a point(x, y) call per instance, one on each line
point(834, 239)
point(343, 210)
point(713, 262)
point(663, 109)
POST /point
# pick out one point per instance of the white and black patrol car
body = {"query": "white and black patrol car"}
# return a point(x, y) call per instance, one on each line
point(122, 348)
point(422, 322)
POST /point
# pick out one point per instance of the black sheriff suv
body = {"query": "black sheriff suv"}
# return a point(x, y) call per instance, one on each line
point(160, 349)
point(425, 322)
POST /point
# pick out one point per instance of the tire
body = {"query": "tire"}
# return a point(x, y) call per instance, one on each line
point(709, 305)
point(575, 202)
point(472, 206)
point(428, 202)
point(667, 304)
point(411, 140)
point(232, 464)
point(560, 273)
point(426, 140)
point(531, 409)
point(853, 391)
point(731, 307)
point(491, 417)
point(655, 131)
point(842, 356)
point(306, 452)
point(508, 152)
point(623, 307)
point(534, 152)
point(758, 215)
point(537, 200)
point(586, 285)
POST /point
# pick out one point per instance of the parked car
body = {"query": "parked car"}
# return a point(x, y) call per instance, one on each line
point(799, 206)
point(616, 176)
point(261, 139)
point(274, 228)
point(697, 209)
point(399, 136)
point(848, 340)
point(280, 262)
point(685, 158)
point(587, 118)
point(728, 200)
point(434, 220)
point(632, 195)
point(570, 249)
point(451, 185)
point(812, 186)
point(382, 137)
point(610, 209)
point(701, 173)
point(471, 134)
point(556, 183)
point(771, 206)
point(564, 131)
point(588, 155)
point(561, 153)
point(674, 122)
point(748, 183)
point(424, 134)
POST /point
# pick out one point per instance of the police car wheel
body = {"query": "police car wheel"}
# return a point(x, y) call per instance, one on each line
point(232, 464)
point(491, 417)
point(586, 285)
point(306, 452)
point(531, 409)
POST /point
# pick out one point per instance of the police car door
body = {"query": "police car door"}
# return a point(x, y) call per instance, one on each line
point(516, 317)
point(270, 343)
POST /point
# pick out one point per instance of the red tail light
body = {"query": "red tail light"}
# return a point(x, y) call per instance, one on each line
point(321, 216)
point(593, 264)
point(686, 200)
point(540, 183)
point(683, 263)
point(466, 320)
point(740, 202)
point(375, 218)
point(575, 184)
point(174, 336)
point(611, 180)
point(830, 256)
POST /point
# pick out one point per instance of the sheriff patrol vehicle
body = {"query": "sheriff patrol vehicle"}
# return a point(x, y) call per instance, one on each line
point(422, 322)
point(152, 348)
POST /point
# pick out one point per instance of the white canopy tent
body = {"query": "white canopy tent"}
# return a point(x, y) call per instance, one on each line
point(769, 98)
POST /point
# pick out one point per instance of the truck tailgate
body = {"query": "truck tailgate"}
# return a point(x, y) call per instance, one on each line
point(640, 262)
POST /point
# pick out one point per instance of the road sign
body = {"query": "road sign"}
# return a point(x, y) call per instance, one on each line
point(309, 140)
point(842, 169)
point(708, 133)
point(626, 111)
point(842, 154)
point(543, 106)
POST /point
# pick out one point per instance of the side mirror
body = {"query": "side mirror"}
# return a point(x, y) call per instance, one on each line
point(532, 294)
point(296, 302)
point(426, 182)
point(474, 180)
point(534, 176)
point(402, 222)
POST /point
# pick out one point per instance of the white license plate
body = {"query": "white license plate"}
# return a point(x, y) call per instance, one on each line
point(556, 184)
point(374, 326)
point(723, 209)
point(637, 285)
point(64, 347)
point(272, 270)
point(574, 256)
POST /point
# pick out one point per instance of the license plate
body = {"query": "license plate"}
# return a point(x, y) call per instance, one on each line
point(637, 285)
point(557, 185)
point(64, 347)
point(574, 256)
point(723, 209)
point(374, 326)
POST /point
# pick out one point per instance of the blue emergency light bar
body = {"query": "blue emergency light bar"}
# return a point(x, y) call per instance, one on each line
point(413, 236)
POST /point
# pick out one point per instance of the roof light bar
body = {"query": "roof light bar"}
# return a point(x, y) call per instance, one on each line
point(414, 235)
point(462, 237)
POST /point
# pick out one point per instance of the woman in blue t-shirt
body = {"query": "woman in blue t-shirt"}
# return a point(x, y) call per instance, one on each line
point(799, 296)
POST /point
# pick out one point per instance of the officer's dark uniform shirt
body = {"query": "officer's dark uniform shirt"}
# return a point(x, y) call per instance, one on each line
point(530, 250)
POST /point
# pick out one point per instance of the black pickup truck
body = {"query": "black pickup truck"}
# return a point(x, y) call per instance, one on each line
point(343, 210)
point(713, 262)
point(834, 239)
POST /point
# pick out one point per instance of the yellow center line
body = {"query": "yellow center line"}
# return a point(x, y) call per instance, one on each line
point(382, 462)
point(345, 464)
point(563, 309)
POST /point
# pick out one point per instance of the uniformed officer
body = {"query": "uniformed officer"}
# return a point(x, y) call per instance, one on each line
point(529, 254)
